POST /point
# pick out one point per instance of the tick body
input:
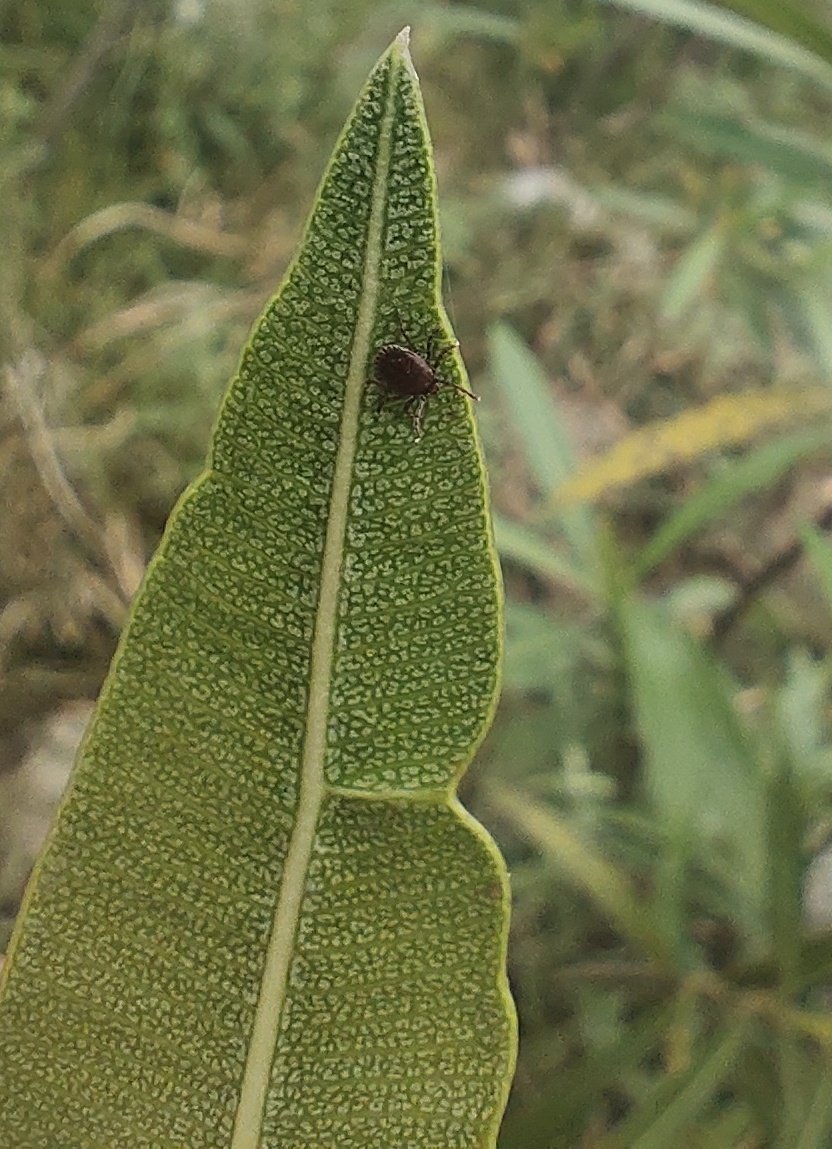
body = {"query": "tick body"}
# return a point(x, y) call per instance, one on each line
point(402, 374)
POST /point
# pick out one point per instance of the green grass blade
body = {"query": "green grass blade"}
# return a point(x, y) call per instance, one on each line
point(797, 156)
point(608, 887)
point(543, 435)
point(700, 771)
point(819, 550)
point(695, 268)
point(786, 824)
point(527, 395)
point(736, 32)
point(792, 19)
point(676, 1105)
point(263, 918)
point(817, 1125)
point(756, 471)
point(523, 545)
point(805, 305)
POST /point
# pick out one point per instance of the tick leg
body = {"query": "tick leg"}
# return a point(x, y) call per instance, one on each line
point(408, 403)
point(441, 352)
point(416, 416)
point(382, 394)
point(383, 400)
point(403, 335)
point(444, 352)
point(456, 387)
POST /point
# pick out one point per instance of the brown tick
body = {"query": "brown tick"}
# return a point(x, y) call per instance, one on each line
point(400, 373)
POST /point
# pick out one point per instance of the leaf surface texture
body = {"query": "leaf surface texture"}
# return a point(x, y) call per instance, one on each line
point(263, 920)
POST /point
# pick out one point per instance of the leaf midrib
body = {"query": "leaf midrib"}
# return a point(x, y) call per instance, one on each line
point(312, 790)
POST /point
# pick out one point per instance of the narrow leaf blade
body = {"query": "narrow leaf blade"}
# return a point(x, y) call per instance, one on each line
point(696, 267)
point(263, 919)
point(739, 478)
point(544, 436)
point(819, 551)
point(677, 1103)
point(735, 31)
point(725, 421)
point(700, 772)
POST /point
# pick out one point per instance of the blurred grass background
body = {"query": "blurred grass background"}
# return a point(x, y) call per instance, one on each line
point(637, 215)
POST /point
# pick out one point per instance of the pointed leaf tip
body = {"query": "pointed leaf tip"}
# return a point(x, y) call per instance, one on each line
point(263, 917)
point(402, 45)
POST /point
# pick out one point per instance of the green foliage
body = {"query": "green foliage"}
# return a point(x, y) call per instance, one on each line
point(700, 774)
point(262, 915)
point(525, 393)
point(711, 973)
point(638, 191)
point(734, 481)
point(729, 28)
point(820, 553)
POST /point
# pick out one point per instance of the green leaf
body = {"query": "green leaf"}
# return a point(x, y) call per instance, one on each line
point(608, 887)
point(801, 716)
point(798, 157)
point(805, 305)
point(785, 824)
point(793, 19)
point(263, 918)
point(819, 550)
point(540, 650)
point(522, 544)
point(676, 1105)
point(544, 436)
point(736, 32)
point(755, 471)
point(696, 266)
point(558, 1117)
point(527, 395)
point(700, 771)
point(817, 1125)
